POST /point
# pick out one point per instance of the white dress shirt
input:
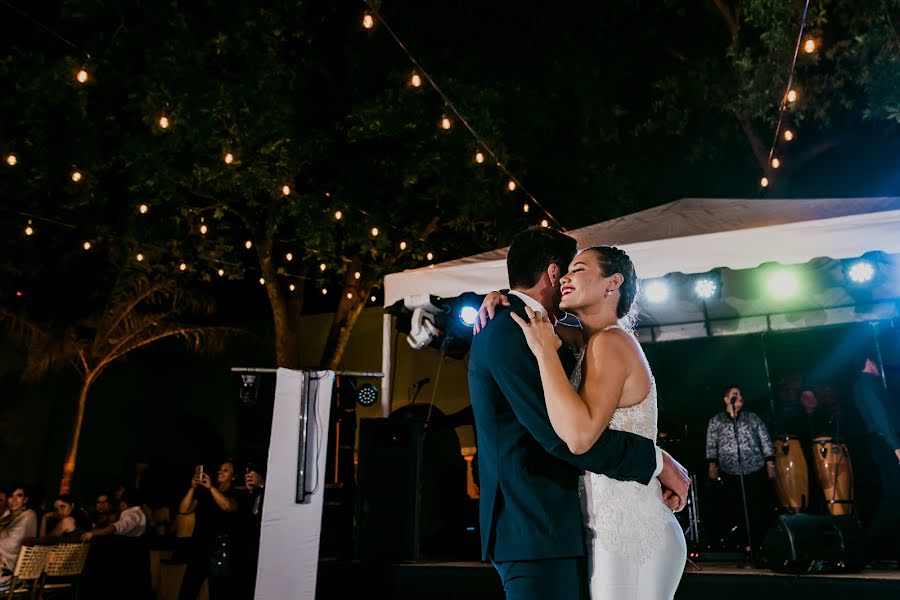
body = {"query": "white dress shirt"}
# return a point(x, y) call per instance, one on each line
point(132, 522)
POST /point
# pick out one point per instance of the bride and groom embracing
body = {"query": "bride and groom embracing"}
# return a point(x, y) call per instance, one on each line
point(576, 499)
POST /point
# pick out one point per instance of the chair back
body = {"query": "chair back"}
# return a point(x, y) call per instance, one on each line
point(31, 562)
point(67, 559)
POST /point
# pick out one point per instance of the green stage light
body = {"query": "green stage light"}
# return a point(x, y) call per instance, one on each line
point(783, 284)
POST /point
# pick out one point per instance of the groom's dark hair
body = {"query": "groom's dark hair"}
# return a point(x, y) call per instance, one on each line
point(535, 249)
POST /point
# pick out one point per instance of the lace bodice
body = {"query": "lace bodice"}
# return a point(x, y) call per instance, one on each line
point(626, 517)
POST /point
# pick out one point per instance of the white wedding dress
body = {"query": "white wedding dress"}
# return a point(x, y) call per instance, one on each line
point(636, 547)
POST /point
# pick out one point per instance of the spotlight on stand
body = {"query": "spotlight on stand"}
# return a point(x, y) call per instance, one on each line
point(468, 315)
point(367, 394)
point(708, 286)
point(783, 284)
point(249, 388)
point(422, 329)
point(861, 272)
point(443, 324)
point(656, 291)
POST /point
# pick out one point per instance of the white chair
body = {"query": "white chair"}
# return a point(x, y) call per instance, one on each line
point(29, 568)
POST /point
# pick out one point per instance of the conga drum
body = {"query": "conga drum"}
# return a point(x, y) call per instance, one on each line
point(791, 473)
point(835, 474)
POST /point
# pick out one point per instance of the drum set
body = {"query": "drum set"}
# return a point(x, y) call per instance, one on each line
point(833, 469)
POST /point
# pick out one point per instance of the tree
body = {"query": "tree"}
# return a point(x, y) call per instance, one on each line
point(140, 311)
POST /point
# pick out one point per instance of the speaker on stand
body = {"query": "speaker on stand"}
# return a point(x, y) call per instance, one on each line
point(800, 543)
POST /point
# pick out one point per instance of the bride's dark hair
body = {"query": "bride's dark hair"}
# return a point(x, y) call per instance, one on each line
point(613, 260)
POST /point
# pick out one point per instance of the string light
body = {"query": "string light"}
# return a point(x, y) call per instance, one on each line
point(357, 275)
point(511, 186)
point(338, 215)
point(403, 245)
point(525, 208)
point(764, 182)
point(29, 230)
point(446, 123)
point(182, 267)
point(248, 244)
point(140, 257)
point(349, 296)
point(286, 190)
point(164, 122)
point(203, 227)
point(545, 223)
point(82, 76)
point(76, 176)
point(810, 46)
point(373, 299)
point(776, 163)
point(289, 257)
point(415, 80)
point(229, 158)
point(11, 160)
point(792, 96)
point(374, 232)
point(86, 245)
point(221, 272)
point(429, 256)
point(143, 208)
point(322, 267)
point(292, 287)
point(368, 21)
point(262, 281)
point(788, 135)
point(479, 157)
point(324, 291)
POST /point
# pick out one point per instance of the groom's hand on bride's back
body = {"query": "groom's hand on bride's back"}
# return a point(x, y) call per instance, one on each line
point(675, 481)
point(488, 309)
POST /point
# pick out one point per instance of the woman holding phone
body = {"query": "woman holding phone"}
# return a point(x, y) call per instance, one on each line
point(214, 508)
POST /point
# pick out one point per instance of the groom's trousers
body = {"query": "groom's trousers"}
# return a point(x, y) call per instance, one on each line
point(552, 578)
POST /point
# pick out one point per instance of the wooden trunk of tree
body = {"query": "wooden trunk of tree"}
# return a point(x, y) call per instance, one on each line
point(285, 313)
point(65, 484)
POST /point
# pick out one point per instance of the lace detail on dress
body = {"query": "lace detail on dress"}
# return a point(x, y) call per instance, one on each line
point(626, 517)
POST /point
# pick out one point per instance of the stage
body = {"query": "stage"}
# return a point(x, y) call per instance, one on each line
point(477, 581)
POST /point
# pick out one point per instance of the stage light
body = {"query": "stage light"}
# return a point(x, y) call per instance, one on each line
point(479, 157)
point(164, 122)
point(143, 208)
point(792, 96)
point(861, 271)
point(229, 158)
point(415, 80)
point(368, 21)
point(783, 284)
point(468, 315)
point(82, 76)
point(11, 160)
point(656, 292)
point(367, 395)
point(249, 388)
point(705, 288)
point(788, 135)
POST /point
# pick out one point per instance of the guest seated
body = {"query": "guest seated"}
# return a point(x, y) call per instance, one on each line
point(19, 523)
point(131, 523)
point(66, 520)
point(103, 513)
point(3, 508)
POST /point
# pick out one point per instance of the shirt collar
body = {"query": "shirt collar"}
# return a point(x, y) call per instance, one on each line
point(532, 304)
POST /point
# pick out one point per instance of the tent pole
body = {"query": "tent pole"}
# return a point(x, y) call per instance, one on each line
point(765, 357)
point(386, 383)
point(874, 325)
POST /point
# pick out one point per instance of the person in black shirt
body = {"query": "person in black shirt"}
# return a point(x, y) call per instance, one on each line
point(215, 510)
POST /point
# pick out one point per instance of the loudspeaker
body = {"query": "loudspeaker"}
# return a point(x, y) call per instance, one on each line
point(803, 543)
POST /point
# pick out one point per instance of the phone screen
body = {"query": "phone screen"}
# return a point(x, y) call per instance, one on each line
point(198, 471)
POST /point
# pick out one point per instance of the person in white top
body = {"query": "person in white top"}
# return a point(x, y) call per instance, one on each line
point(132, 521)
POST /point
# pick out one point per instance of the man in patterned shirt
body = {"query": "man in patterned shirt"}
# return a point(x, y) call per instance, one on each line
point(757, 462)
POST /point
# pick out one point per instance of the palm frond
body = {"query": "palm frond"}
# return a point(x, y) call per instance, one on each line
point(207, 339)
point(44, 350)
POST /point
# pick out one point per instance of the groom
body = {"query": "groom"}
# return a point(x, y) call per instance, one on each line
point(531, 520)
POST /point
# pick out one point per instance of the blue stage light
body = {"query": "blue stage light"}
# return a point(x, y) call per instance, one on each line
point(656, 291)
point(468, 315)
point(861, 271)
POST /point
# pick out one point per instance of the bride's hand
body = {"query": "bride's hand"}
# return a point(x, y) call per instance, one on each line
point(539, 332)
point(488, 308)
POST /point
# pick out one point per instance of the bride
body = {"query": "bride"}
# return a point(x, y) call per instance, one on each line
point(636, 546)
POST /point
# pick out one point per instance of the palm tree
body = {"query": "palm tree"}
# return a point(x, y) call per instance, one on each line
point(140, 311)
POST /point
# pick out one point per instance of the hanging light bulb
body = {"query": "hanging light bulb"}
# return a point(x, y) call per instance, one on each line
point(776, 163)
point(525, 208)
point(357, 275)
point(289, 257)
point(248, 244)
point(415, 80)
point(511, 186)
point(81, 76)
point(792, 96)
point(809, 46)
point(182, 267)
point(338, 215)
point(262, 281)
point(229, 158)
point(143, 208)
point(373, 298)
point(403, 245)
point(429, 256)
point(76, 176)
point(221, 272)
point(324, 291)
point(764, 182)
point(446, 123)
point(286, 190)
point(368, 21)
point(322, 267)
point(11, 160)
point(788, 135)
point(479, 157)
point(545, 223)
point(140, 257)
point(203, 228)
point(292, 287)
point(86, 245)
point(164, 122)
point(374, 232)
point(349, 296)
point(29, 230)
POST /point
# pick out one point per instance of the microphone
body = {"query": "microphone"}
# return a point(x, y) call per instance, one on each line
point(733, 401)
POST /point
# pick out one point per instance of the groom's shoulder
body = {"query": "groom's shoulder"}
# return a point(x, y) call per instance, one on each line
point(502, 323)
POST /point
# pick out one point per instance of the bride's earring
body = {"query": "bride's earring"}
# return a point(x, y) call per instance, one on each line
point(606, 295)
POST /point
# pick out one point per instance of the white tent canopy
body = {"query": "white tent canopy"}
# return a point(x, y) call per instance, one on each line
point(693, 235)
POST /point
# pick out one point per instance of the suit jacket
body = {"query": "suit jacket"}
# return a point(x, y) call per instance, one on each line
point(529, 506)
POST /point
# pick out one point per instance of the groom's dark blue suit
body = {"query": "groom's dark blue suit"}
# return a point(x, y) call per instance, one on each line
point(531, 523)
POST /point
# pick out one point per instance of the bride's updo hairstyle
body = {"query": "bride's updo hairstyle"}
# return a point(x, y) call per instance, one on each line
point(613, 260)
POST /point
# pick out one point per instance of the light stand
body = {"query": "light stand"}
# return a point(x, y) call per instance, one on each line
point(737, 440)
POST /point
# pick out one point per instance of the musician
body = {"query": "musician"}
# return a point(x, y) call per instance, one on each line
point(882, 533)
point(756, 463)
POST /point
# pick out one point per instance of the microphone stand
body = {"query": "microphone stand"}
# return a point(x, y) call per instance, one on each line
point(737, 440)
